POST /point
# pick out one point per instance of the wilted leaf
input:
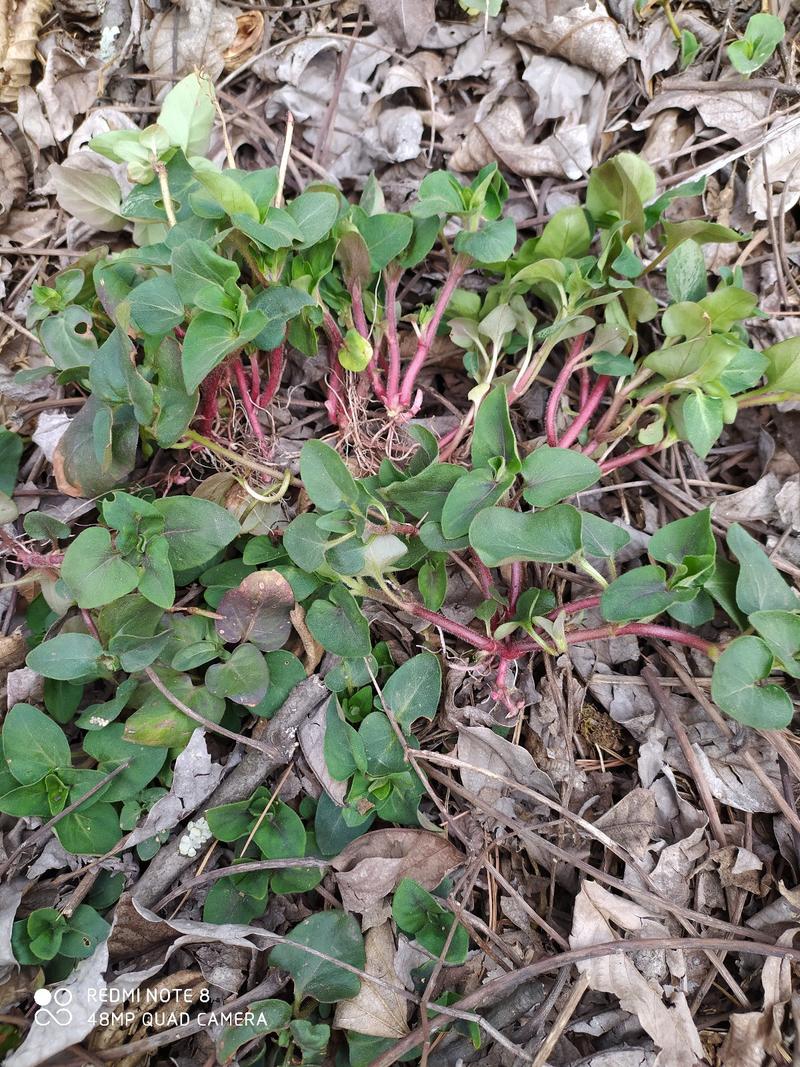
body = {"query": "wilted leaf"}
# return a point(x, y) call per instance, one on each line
point(257, 610)
point(376, 1010)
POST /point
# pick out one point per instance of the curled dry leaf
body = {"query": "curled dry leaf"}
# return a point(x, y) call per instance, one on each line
point(485, 750)
point(403, 22)
point(371, 866)
point(248, 40)
point(311, 736)
point(669, 1025)
point(258, 611)
point(376, 1010)
point(13, 178)
point(19, 32)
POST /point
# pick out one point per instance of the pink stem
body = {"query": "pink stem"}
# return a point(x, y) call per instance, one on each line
point(574, 606)
point(255, 378)
point(630, 457)
point(359, 318)
point(583, 378)
point(484, 575)
point(457, 272)
point(551, 413)
point(466, 633)
point(392, 340)
point(588, 409)
point(274, 378)
point(637, 629)
point(375, 380)
point(514, 588)
point(209, 392)
point(247, 403)
point(333, 404)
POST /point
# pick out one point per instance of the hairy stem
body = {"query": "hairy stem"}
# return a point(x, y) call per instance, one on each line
point(457, 272)
point(209, 398)
point(274, 376)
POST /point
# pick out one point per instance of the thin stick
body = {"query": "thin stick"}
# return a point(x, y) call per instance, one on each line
point(213, 727)
point(166, 196)
point(287, 148)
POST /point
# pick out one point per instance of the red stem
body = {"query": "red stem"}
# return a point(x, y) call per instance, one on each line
point(333, 404)
point(457, 272)
point(514, 588)
point(255, 378)
point(583, 378)
point(630, 457)
point(247, 403)
point(637, 629)
point(572, 607)
point(392, 280)
point(551, 413)
point(209, 391)
point(359, 318)
point(274, 378)
point(466, 633)
point(588, 408)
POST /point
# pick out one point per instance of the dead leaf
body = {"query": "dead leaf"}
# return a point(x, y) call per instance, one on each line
point(193, 34)
point(13, 177)
point(258, 611)
point(584, 34)
point(669, 1025)
point(13, 649)
point(10, 897)
point(311, 736)
point(560, 87)
point(631, 822)
point(248, 40)
point(19, 32)
point(484, 750)
point(376, 1010)
point(753, 504)
point(370, 867)
point(780, 157)
point(70, 87)
point(404, 22)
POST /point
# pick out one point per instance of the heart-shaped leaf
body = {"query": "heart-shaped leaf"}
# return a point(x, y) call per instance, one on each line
point(745, 663)
point(257, 610)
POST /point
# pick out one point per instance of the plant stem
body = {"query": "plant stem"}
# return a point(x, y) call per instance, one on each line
point(166, 196)
point(359, 318)
point(391, 282)
point(588, 409)
point(564, 375)
point(645, 629)
point(247, 404)
point(757, 397)
point(274, 377)
point(572, 607)
point(457, 272)
point(630, 457)
point(209, 392)
point(514, 588)
point(333, 404)
point(234, 457)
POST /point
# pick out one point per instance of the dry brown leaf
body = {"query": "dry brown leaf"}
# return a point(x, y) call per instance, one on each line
point(484, 750)
point(19, 31)
point(631, 822)
point(13, 177)
point(581, 33)
point(70, 86)
point(13, 649)
point(369, 868)
point(669, 1025)
point(376, 1010)
point(311, 736)
point(199, 32)
point(404, 22)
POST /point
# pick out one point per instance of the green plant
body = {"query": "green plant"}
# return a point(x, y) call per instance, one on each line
point(761, 37)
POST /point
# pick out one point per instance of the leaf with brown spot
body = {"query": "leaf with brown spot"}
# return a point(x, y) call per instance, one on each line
point(258, 610)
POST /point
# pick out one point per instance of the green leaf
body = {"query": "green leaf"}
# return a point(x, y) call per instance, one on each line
point(420, 915)
point(759, 586)
point(763, 35)
point(279, 304)
point(686, 272)
point(601, 538)
point(109, 748)
point(339, 625)
point(91, 197)
point(690, 537)
point(326, 479)
point(552, 474)
point(780, 631)
point(196, 530)
point(492, 244)
point(493, 436)
point(281, 834)
point(94, 572)
point(195, 265)
point(156, 306)
point(229, 902)
point(356, 352)
point(440, 193)
point(501, 536)
point(228, 193)
point(257, 610)
point(745, 663)
point(478, 489)
point(278, 230)
point(690, 46)
point(423, 495)
point(315, 213)
point(386, 236)
point(268, 1017)
point(432, 583)
point(209, 338)
point(11, 446)
point(33, 744)
point(728, 305)
point(783, 365)
point(336, 934)
point(414, 690)
point(343, 748)
point(640, 594)
point(90, 832)
point(187, 114)
point(85, 930)
point(68, 339)
point(305, 542)
point(243, 678)
point(566, 236)
point(67, 657)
